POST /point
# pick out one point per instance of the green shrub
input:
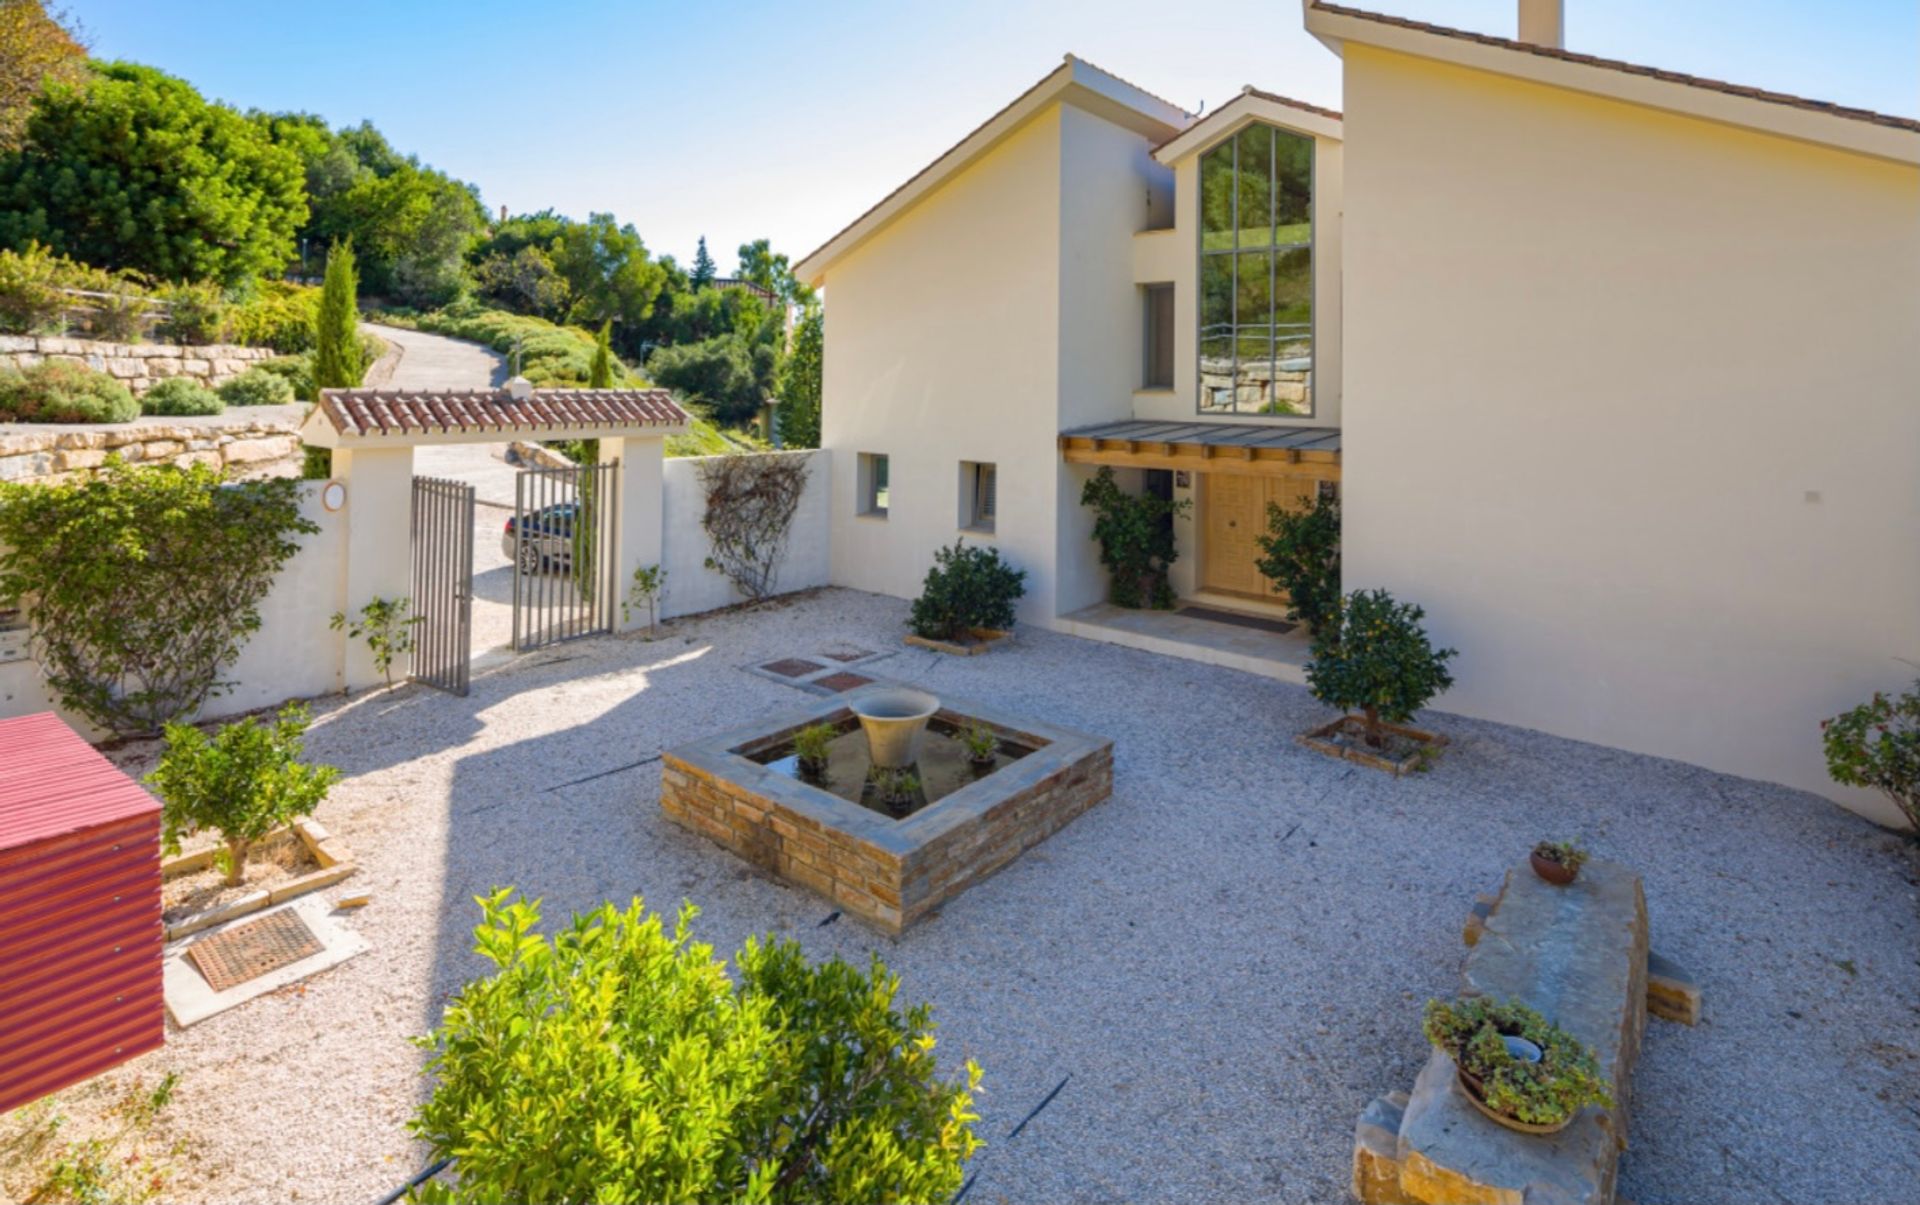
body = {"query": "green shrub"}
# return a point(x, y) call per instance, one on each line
point(1303, 558)
point(1877, 745)
point(549, 354)
point(615, 1061)
point(296, 370)
point(257, 387)
point(1564, 1081)
point(141, 585)
point(119, 313)
point(339, 355)
point(1373, 657)
point(967, 588)
point(1135, 532)
point(277, 314)
point(196, 313)
point(179, 396)
point(386, 627)
point(56, 391)
point(243, 782)
point(31, 302)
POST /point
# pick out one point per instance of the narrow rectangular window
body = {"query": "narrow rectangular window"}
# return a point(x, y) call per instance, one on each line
point(1159, 338)
point(871, 485)
point(979, 495)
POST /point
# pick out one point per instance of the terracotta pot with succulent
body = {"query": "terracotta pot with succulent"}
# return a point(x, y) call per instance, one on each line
point(981, 743)
point(810, 746)
point(1558, 862)
point(1516, 1067)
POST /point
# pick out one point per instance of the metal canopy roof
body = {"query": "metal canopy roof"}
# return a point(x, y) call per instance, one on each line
point(1216, 435)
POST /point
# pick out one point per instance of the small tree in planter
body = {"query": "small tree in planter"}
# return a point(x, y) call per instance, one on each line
point(1303, 558)
point(968, 596)
point(616, 1060)
point(1877, 745)
point(243, 782)
point(1136, 541)
point(1373, 658)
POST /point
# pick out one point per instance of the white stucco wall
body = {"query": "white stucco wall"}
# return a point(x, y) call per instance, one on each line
point(293, 655)
point(691, 586)
point(942, 346)
point(1633, 409)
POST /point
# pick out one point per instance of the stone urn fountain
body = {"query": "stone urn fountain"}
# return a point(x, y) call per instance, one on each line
point(894, 718)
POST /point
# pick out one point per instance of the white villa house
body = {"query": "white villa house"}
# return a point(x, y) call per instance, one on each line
point(1615, 370)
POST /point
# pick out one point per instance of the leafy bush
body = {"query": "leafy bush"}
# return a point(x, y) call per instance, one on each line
point(1303, 558)
point(119, 313)
point(180, 395)
point(243, 782)
point(257, 387)
point(1877, 745)
point(386, 627)
point(1373, 657)
point(142, 584)
point(967, 588)
point(196, 313)
point(617, 1062)
point(1135, 532)
point(58, 391)
point(31, 302)
point(296, 371)
point(1564, 1081)
point(276, 314)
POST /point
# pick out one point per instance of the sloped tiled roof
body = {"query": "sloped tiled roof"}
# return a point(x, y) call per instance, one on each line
point(362, 412)
point(1672, 77)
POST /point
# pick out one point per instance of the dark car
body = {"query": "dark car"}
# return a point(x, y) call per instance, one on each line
point(547, 541)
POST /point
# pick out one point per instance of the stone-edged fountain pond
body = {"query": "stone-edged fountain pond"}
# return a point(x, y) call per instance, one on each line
point(888, 802)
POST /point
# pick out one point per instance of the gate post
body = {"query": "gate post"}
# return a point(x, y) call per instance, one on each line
point(379, 562)
point(638, 527)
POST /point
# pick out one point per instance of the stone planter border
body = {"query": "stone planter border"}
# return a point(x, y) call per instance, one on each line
point(336, 863)
point(1320, 741)
point(984, 639)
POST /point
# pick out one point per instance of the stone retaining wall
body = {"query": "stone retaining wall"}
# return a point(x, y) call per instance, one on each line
point(136, 365)
point(260, 443)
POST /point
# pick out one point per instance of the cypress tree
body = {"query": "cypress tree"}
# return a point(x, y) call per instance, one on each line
point(600, 372)
point(338, 359)
point(704, 270)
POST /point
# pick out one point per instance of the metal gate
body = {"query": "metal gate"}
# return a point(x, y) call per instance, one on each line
point(442, 582)
point(562, 542)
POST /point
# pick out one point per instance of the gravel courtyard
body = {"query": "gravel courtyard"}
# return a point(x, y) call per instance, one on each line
point(1224, 962)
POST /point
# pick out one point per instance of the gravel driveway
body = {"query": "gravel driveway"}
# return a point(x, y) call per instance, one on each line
point(1227, 958)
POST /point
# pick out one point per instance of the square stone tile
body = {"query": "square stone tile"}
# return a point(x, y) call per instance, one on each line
point(793, 667)
point(843, 681)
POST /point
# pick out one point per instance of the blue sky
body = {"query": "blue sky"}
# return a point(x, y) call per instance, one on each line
point(740, 120)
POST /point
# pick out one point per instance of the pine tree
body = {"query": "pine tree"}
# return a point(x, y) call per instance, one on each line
point(600, 372)
point(338, 359)
point(703, 269)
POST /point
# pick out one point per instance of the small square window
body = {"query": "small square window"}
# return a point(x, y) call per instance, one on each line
point(871, 485)
point(979, 495)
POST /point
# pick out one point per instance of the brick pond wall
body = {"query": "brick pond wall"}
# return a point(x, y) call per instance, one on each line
point(135, 365)
point(253, 441)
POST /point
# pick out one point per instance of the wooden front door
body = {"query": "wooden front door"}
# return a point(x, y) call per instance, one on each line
point(1233, 510)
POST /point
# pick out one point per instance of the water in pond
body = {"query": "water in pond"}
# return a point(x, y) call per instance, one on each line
point(943, 767)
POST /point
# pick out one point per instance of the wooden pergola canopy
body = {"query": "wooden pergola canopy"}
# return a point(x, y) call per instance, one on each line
point(1239, 448)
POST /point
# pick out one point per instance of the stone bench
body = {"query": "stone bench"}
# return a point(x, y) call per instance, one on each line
point(1579, 955)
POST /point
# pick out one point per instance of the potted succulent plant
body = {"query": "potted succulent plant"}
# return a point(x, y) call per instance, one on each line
point(1516, 1067)
point(810, 745)
point(898, 789)
point(981, 743)
point(1558, 862)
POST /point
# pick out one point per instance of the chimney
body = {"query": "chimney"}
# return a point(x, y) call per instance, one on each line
point(519, 389)
point(1542, 23)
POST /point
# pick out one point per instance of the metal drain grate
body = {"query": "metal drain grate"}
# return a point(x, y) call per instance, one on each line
point(793, 667)
point(251, 950)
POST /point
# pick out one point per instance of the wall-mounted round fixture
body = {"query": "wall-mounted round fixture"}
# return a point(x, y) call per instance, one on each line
point(333, 495)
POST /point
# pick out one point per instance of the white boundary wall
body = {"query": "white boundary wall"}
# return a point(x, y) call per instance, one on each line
point(293, 655)
point(691, 586)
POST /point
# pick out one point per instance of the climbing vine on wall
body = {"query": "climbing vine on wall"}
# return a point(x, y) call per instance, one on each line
point(142, 584)
point(751, 500)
